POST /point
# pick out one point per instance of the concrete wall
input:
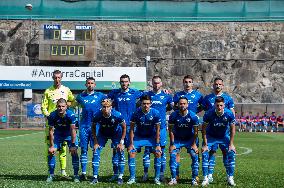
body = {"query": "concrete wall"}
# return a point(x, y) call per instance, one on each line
point(248, 56)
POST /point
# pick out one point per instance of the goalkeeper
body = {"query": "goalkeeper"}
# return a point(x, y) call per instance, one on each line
point(50, 98)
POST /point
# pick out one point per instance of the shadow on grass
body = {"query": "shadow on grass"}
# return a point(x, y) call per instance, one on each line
point(23, 177)
point(102, 179)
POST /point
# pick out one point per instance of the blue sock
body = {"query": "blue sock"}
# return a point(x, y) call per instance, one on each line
point(231, 161)
point(177, 169)
point(225, 161)
point(96, 161)
point(146, 160)
point(212, 163)
point(164, 161)
point(121, 162)
point(115, 162)
point(157, 164)
point(132, 167)
point(194, 164)
point(205, 163)
point(51, 163)
point(173, 164)
point(75, 163)
point(84, 160)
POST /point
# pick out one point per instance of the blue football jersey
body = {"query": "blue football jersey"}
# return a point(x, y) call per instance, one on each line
point(145, 124)
point(183, 126)
point(219, 126)
point(159, 102)
point(61, 124)
point(194, 99)
point(209, 101)
point(90, 103)
point(125, 102)
point(109, 126)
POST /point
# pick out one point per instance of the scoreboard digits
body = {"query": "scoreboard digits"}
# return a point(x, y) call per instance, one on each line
point(67, 44)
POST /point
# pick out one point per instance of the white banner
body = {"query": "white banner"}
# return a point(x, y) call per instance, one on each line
point(35, 77)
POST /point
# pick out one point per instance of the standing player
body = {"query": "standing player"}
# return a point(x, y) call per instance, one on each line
point(258, 123)
point(238, 121)
point(219, 128)
point(111, 126)
point(161, 102)
point(280, 122)
point(273, 122)
point(124, 101)
point(183, 131)
point(194, 98)
point(243, 122)
point(207, 104)
point(250, 118)
point(147, 133)
point(62, 129)
point(50, 98)
point(264, 121)
point(90, 102)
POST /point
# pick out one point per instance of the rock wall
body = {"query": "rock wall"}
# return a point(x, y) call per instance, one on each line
point(248, 56)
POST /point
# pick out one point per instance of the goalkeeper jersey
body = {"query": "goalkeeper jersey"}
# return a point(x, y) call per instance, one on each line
point(51, 96)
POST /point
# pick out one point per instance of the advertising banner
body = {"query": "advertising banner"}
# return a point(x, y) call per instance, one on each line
point(37, 77)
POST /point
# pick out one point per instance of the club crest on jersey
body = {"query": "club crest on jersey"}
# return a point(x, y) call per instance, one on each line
point(151, 118)
point(112, 120)
point(162, 97)
point(192, 96)
point(225, 119)
point(187, 119)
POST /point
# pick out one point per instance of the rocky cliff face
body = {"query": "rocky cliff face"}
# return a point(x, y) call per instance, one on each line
point(248, 56)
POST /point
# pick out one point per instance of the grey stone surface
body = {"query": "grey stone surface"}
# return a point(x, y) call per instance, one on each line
point(248, 56)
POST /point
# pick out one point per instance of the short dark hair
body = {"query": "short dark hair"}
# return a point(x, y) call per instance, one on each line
point(218, 78)
point(56, 72)
point(61, 100)
point(183, 97)
point(187, 77)
point(219, 99)
point(157, 76)
point(145, 97)
point(124, 76)
point(90, 78)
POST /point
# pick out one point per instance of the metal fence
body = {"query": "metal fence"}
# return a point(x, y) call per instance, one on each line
point(143, 10)
point(16, 115)
point(278, 108)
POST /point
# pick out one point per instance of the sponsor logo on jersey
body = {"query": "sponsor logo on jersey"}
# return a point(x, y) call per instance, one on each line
point(123, 99)
point(157, 102)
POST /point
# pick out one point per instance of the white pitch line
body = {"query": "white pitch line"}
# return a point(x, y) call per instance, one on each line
point(246, 152)
point(19, 135)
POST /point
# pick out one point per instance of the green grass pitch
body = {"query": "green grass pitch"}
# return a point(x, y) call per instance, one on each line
point(260, 163)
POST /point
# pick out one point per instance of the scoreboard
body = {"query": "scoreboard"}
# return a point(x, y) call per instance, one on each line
point(67, 42)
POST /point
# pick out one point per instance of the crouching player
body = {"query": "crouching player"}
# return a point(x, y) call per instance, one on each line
point(219, 128)
point(183, 131)
point(147, 121)
point(62, 128)
point(111, 126)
